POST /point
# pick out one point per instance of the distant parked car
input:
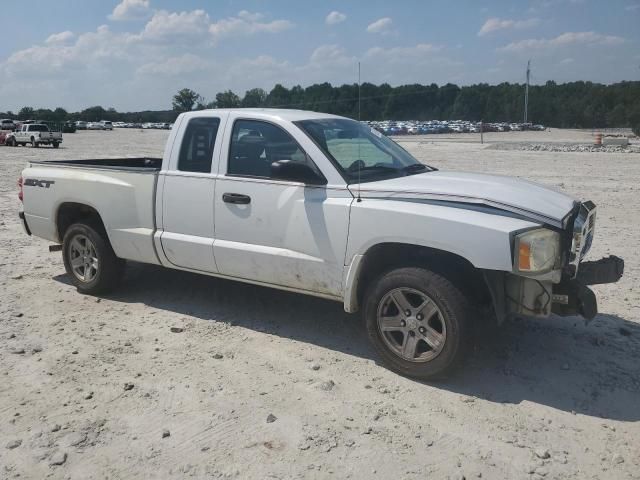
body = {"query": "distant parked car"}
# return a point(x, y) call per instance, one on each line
point(69, 127)
point(80, 125)
point(7, 124)
point(106, 125)
point(95, 126)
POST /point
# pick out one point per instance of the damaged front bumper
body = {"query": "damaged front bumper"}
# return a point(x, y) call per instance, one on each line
point(515, 295)
point(572, 296)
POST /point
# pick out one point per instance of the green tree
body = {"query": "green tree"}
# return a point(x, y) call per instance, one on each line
point(60, 114)
point(254, 98)
point(93, 114)
point(279, 97)
point(227, 99)
point(25, 113)
point(185, 100)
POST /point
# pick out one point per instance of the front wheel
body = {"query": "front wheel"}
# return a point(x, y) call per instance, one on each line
point(89, 259)
point(34, 144)
point(56, 144)
point(418, 322)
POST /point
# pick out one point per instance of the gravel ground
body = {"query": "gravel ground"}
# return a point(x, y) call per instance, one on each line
point(257, 383)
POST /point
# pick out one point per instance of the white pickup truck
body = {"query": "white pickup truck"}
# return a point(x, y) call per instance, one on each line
point(36, 134)
point(326, 206)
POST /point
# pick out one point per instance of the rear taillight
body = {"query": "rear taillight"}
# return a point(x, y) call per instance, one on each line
point(20, 193)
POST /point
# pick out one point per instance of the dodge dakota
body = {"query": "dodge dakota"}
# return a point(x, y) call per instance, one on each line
point(327, 206)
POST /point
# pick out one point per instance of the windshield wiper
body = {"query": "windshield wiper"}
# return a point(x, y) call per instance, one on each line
point(415, 167)
point(374, 168)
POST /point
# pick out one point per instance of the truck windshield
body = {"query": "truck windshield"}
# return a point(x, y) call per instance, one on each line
point(38, 128)
point(360, 152)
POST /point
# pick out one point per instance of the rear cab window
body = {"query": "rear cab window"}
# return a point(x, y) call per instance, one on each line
point(198, 142)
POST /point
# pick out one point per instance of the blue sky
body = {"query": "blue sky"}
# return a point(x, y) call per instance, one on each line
point(135, 54)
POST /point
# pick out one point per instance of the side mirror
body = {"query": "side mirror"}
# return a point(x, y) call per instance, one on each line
point(296, 172)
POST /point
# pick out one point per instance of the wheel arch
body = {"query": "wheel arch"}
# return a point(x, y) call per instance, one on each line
point(383, 257)
point(69, 213)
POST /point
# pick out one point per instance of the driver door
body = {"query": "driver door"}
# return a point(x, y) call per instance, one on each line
point(274, 231)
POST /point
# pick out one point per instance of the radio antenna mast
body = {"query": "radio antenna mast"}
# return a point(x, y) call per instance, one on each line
point(526, 93)
point(359, 125)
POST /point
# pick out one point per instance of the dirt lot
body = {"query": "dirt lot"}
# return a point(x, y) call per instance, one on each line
point(553, 398)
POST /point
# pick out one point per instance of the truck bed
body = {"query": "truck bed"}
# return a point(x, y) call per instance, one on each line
point(139, 164)
point(122, 190)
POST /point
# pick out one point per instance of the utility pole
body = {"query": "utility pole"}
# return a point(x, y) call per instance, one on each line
point(526, 93)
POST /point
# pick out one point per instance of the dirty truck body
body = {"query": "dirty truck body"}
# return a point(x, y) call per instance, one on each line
point(326, 206)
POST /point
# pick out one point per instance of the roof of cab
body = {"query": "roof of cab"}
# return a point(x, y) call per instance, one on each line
point(282, 114)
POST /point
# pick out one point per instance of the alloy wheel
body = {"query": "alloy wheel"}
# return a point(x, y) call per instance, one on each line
point(411, 324)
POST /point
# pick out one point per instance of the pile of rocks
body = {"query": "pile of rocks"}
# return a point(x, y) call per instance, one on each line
point(550, 147)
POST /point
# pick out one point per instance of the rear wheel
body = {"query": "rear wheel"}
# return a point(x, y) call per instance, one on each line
point(34, 144)
point(89, 259)
point(418, 322)
point(56, 144)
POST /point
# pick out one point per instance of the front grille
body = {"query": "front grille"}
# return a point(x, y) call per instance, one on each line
point(582, 233)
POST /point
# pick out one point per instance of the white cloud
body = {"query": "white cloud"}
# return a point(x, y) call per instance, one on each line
point(380, 26)
point(130, 10)
point(183, 64)
point(335, 18)
point(164, 24)
point(632, 8)
point(58, 57)
point(330, 55)
point(566, 39)
point(247, 23)
point(418, 50)
point(62, 37)
point(495, 24)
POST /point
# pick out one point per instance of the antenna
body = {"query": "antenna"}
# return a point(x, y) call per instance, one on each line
point(359, 126)
point(526, 93)
point(358, 91)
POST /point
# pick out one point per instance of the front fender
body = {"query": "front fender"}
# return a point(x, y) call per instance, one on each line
point(484, 239)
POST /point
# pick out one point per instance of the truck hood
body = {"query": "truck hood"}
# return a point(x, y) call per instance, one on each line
point(521, 197)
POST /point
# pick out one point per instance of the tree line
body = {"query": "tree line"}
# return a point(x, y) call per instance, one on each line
point(568, 105)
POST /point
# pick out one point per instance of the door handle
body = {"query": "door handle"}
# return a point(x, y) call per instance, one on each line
point(236, 198)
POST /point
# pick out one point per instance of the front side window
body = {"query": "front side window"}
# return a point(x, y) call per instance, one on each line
point(360, 152)
point(196, 151)
point(255, 145)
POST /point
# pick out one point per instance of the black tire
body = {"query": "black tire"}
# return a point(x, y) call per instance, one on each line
point(110, 268)
point(56, 144)
point(453, 313)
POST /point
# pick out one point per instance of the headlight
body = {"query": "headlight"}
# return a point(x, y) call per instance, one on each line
point(537, 251)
